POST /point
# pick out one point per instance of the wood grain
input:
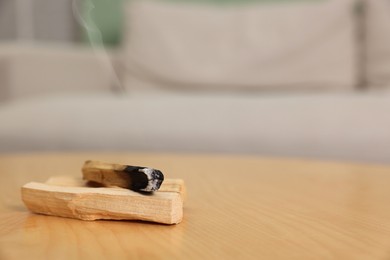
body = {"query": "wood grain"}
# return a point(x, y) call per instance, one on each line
point(57, 197)
point(237, 207)
point(109, 174)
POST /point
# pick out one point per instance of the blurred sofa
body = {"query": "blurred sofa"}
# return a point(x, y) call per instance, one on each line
point(293, 79)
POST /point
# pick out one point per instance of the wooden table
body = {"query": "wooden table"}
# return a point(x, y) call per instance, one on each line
point(237, 207)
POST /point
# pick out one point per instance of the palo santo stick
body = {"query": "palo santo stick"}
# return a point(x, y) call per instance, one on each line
point(169, 185)
point(88, 203)
point(132, 177)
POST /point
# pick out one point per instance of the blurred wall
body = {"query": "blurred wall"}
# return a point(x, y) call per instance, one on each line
point(46, 20)
point(7, 20)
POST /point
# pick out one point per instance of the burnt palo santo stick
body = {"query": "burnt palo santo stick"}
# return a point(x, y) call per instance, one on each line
point(131, 177)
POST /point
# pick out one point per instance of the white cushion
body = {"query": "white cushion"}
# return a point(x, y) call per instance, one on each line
point(333, 126)
point(378, 42)
point(305, 44)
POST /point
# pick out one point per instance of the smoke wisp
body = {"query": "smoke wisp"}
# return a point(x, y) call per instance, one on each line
point(82, 11)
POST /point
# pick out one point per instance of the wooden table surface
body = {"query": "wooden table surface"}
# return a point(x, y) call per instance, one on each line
point(236, 207)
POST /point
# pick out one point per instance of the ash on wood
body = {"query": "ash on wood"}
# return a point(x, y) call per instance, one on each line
point(73, 198)
point(136, 178)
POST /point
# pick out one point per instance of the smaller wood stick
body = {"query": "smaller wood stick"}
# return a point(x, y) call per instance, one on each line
point(135, 178)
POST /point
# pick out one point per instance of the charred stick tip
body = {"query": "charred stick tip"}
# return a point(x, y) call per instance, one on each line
point(144, 178)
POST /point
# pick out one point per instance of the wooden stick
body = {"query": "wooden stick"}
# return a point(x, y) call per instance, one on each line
point(70, 197)
point(169, 185)
point(131, 177)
